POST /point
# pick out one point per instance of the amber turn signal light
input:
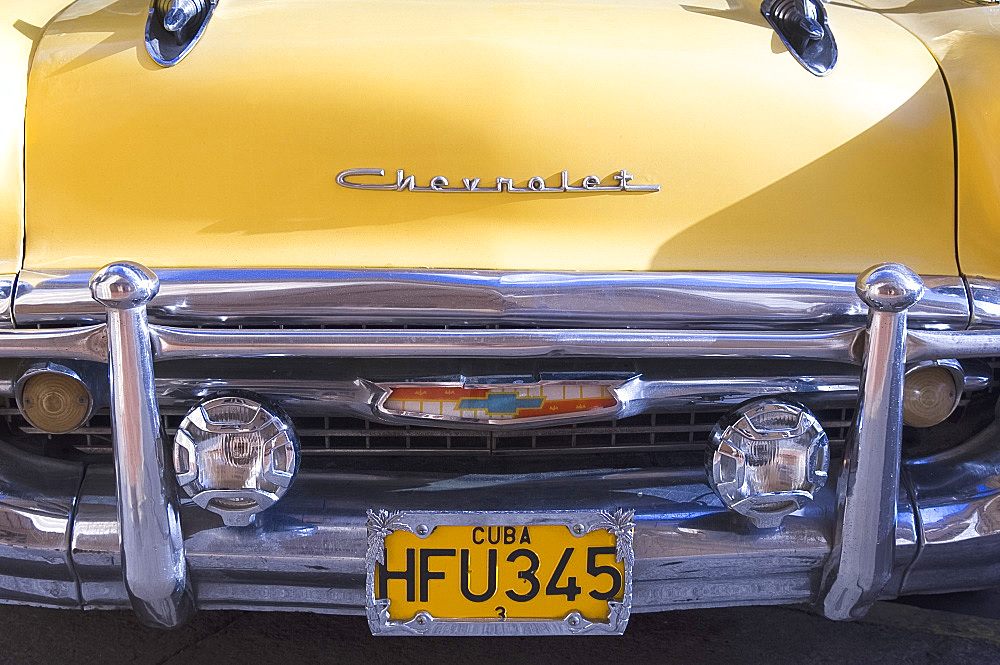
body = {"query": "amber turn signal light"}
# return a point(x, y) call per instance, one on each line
point(931, 392)
point(53, 398)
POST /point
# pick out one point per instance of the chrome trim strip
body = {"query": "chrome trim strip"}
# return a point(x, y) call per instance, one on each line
point(825, 391)
point(181, 343)
point(7, 286)
point(152, 545)
point(86, 343)
point(638, 395)
point(379, 297)
point(861, 561)
point(90, 343)
point(984, 294)
point(937, 344)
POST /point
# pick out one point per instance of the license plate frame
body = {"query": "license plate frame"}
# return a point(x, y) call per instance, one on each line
point(381, 523)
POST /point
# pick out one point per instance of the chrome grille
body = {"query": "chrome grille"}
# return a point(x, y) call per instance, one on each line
point(340, 436)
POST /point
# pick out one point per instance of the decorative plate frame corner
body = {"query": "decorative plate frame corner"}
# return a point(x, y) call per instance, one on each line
point(382, 522)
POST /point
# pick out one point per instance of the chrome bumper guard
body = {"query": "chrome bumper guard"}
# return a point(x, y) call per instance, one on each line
point(69, 542)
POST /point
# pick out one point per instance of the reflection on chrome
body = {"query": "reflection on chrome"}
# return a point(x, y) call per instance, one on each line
point(67, 541)
point(861, 561)
point(152, 545)
point(379, 297)
point(767, 458)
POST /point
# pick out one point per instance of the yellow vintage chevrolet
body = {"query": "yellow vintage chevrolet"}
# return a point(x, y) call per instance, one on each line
point(497, 317)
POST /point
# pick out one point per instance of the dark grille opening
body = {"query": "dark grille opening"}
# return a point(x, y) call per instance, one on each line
point(677, 437)
point(669, 432)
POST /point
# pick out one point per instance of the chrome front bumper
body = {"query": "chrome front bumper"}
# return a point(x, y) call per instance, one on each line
point(59, 546)
point(69, 543)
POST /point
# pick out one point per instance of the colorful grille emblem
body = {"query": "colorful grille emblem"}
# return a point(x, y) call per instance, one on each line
point(500, 403)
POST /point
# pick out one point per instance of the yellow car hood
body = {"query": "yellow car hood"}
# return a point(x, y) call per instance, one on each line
point(230, 158)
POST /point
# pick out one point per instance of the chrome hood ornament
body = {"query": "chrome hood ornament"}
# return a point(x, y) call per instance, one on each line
point(804, 29)
point(535, 185)
point(174, 27)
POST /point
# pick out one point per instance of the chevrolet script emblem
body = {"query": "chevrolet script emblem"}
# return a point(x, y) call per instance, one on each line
point(500, 404)
point(360, 179)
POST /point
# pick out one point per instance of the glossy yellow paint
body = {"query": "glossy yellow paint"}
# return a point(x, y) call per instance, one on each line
point(966, 41)
point(229, 158)
point(21, 23)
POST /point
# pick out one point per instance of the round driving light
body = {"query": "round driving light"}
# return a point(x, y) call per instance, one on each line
point(931, 392)
point(767, 458)
point(53, 398)
point(235, 456)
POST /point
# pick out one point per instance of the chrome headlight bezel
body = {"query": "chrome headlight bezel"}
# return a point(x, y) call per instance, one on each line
point(260, 451)
point(741, 444)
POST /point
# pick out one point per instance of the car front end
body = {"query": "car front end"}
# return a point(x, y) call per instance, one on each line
point(495, 318)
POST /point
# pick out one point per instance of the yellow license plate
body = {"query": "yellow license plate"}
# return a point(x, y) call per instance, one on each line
point(501, 569)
